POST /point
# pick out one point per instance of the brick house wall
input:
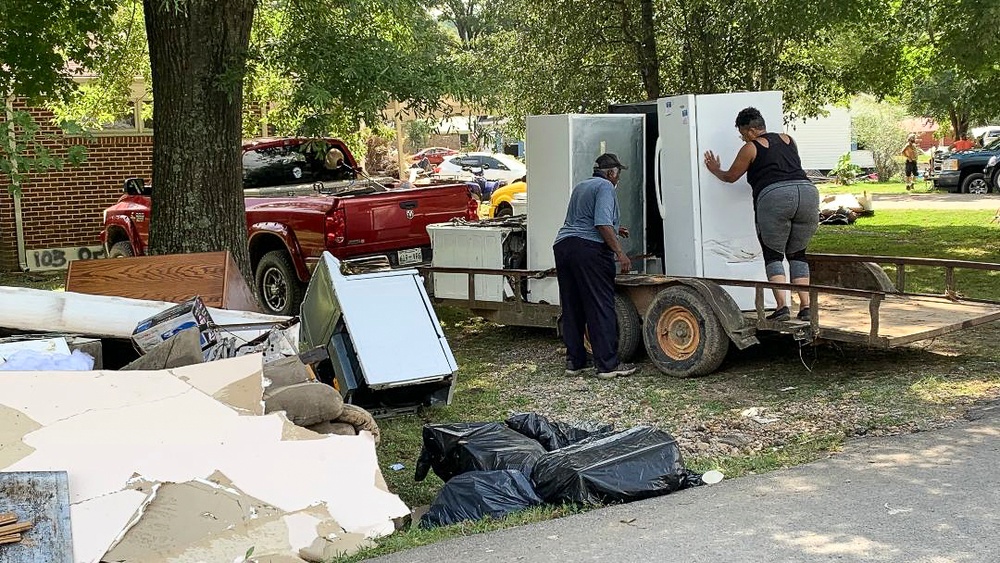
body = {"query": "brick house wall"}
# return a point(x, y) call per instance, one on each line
point(63, 209)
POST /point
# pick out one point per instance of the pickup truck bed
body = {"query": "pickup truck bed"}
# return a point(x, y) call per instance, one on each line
point(290, 226)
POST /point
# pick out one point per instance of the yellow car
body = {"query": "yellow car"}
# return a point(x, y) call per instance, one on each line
point(501, 202)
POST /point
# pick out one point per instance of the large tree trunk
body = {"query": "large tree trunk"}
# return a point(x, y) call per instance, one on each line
point(197, 51)
point(649, 60)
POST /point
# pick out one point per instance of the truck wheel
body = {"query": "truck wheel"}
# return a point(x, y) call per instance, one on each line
point(277, 285)
point(504, 210)
point(629, 329)
point(975, 184)
point(121, 249)
point(683, 336)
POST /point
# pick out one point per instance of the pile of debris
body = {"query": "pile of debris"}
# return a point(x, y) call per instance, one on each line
point(217, 432)
point(493, 469)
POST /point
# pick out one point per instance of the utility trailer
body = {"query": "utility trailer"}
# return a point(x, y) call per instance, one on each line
point(685, 324)
point(697, 279)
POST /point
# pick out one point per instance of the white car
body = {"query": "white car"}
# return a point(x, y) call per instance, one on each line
point(495, 166)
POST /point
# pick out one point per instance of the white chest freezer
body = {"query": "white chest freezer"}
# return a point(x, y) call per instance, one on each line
point(479, 245)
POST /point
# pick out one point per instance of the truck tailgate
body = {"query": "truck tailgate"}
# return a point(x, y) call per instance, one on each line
point(398, 219)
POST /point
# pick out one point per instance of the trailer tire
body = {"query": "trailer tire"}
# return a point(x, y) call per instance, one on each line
point(683, 336)
point(629, 330)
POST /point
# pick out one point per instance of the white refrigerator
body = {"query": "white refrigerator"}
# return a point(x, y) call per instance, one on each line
point(561, 151)
point(708, 225)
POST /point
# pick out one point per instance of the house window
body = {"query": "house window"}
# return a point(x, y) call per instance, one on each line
point(136, 119)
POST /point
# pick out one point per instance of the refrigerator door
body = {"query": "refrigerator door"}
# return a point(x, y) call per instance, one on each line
point(729, 246)
point(561, 153)
point(679, 189)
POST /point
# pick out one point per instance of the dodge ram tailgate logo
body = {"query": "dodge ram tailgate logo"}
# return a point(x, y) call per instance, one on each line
point(409, 214)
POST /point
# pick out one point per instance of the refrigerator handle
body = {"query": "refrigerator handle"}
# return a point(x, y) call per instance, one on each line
point(656, 176)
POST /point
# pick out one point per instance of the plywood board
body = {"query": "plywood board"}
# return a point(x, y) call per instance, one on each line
point(42, 498)
point(172, 277)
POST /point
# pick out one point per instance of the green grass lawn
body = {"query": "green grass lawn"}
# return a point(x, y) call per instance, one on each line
point(819, 397)
point(960, 235)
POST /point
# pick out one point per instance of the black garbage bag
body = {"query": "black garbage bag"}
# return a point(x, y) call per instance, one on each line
point(453, 449)
point(476, 494)
point(552, 434)
point(638, 463)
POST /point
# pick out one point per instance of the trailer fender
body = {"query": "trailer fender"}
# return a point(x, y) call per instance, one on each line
point(643, 289)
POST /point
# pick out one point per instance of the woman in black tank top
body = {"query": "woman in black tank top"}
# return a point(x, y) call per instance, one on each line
point(786, 203)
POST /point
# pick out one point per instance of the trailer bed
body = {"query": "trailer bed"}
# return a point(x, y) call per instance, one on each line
point(901, 319)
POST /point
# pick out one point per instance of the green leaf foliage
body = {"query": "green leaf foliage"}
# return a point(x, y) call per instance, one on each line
point(38, 39)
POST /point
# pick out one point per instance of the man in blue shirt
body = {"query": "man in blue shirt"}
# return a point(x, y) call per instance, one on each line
point(588, 256)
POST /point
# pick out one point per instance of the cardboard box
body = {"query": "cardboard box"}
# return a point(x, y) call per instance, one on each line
point(162, 326)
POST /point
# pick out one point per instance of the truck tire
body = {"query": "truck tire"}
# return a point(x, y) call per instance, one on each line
point(683, 336)
point(121, 249)
point(629, 329)
point(504, 210)
point(277, 285)
point(975, 183)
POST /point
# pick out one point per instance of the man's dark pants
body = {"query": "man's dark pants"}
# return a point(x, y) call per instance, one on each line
point(586, 272)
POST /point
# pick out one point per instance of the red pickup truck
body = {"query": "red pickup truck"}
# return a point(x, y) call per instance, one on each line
point(303, 196)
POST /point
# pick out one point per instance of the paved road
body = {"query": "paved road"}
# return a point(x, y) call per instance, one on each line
point(936, 201)
point(925, 498)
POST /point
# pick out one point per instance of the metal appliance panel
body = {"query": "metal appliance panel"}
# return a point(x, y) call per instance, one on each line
point(561, 153)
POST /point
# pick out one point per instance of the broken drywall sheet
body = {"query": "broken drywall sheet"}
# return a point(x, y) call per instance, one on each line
point(111, 430)
point(186, 514)
point(240, 385)
point(14, 425)
point(98, 522)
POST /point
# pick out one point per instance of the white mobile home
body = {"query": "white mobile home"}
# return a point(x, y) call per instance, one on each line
point(822, 140)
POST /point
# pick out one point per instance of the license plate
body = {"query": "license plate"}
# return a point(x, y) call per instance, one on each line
point(410, 256)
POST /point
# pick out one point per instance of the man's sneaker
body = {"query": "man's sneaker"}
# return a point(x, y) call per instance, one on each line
point(622, 370)
point(571, 372)
point(781, 314)
point(804, 314)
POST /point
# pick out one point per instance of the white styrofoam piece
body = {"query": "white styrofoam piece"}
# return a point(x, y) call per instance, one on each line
point(37, 310)
point(395, 332)
point(96, 523)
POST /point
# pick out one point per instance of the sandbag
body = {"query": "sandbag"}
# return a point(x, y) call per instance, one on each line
point(338, 428)
point(285, 372)
point(477, 494)
point(306, 404)
point(360, 419)
point(639, 463)
point(453, 449)
point(553, 435)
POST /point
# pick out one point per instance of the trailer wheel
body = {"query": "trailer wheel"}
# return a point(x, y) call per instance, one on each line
point(629, 330)
point(683, 336)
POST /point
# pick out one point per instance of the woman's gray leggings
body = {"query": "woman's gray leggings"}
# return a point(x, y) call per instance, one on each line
point(787, 215)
